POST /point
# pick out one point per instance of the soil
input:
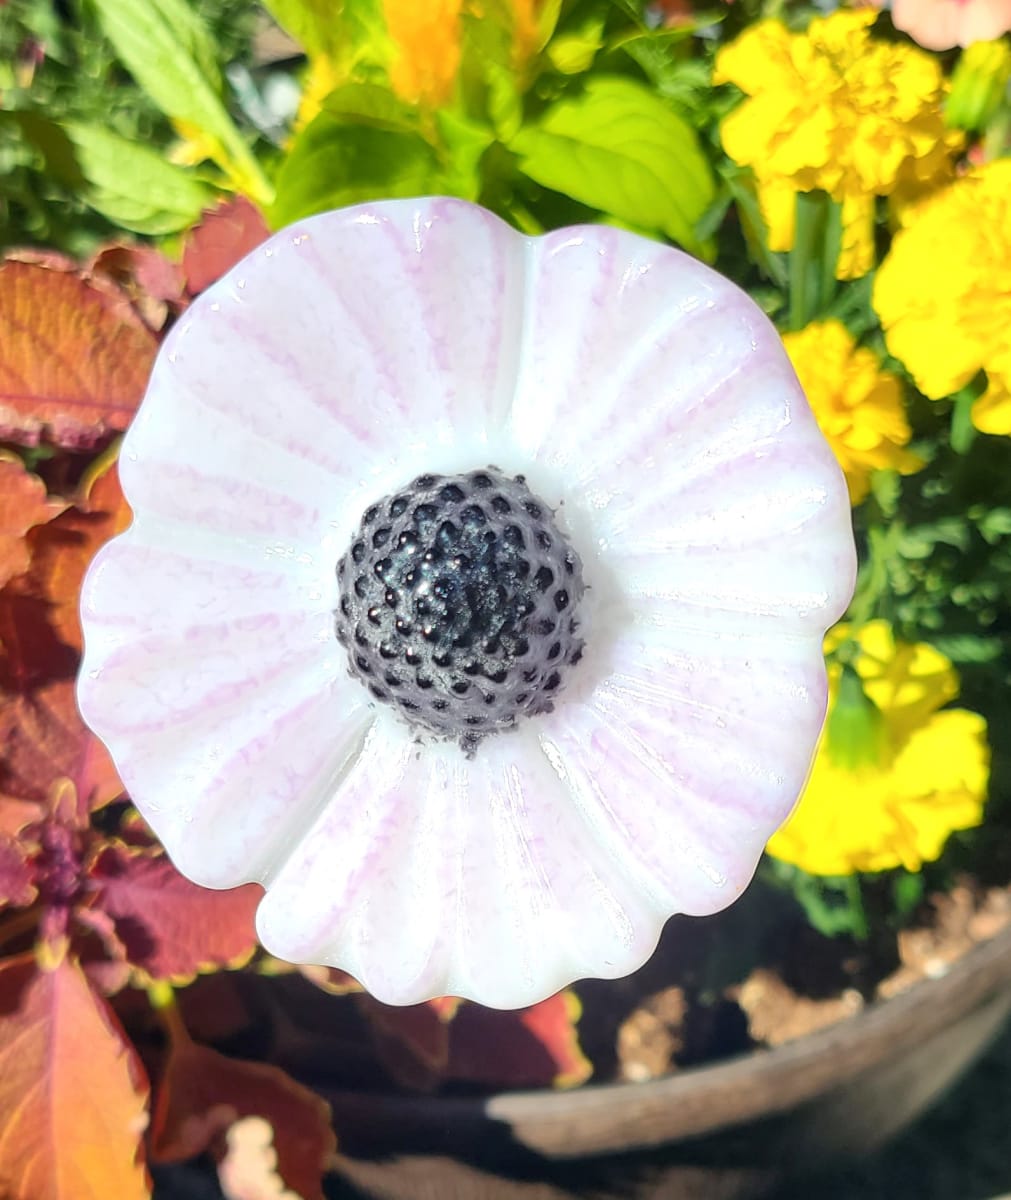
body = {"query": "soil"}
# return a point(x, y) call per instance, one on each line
point(801, 982)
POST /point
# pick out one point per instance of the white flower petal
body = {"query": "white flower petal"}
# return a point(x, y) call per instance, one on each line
point(467, 876)
point(691, 745)
point(661, 396)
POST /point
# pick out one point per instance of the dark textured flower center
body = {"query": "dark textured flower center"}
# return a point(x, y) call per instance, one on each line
point(458, 601)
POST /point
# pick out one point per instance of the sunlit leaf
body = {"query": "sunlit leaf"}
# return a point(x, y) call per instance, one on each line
point(168, 50)
point(75, 358)
point(202, 1094)
point(334, 163)
point(371, 104)
point(337, 31)
point(23, 503)
point(133, 185)
point(72, 1092)
point(62, 550)
point(154, 284)
point(224, 235)
point(171, 929)
point(620, 149)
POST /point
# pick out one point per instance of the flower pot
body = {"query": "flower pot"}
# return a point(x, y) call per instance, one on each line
point(723, 1132)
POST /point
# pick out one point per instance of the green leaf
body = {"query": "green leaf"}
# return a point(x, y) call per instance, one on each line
point(491, 88)
point(740, 184)
point(334, 162)
point(673, 76)
point(573, 51)
point(966, 648)
point(619, 149)
point(464, 143)
point(170, 54)
point(345, 33)
point(371, 104)
point(334, 28)
point(816, 243)
point(963, 432)
point(315, 24)
point(52, 143)
point(833, 905)
point(132, 185)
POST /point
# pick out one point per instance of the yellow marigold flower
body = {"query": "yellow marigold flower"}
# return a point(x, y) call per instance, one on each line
point(835, 110)
point(944, 292)
point(893, 777)
point(426, 41)
point(857, 404)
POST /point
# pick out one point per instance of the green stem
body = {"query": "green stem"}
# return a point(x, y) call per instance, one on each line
point(817, 237)
point(855, 896)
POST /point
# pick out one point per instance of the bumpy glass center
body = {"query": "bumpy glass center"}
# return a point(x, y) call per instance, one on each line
point(458, 600)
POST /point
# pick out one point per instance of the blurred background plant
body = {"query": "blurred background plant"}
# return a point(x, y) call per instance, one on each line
point(855, 181)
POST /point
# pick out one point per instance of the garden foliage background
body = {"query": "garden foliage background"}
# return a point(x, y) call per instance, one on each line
point(854, 177)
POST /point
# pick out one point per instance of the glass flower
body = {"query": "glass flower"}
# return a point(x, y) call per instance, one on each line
point(474, 599)
point(894, 776)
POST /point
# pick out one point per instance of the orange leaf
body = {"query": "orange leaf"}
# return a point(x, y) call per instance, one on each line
point(531, 1047)
point(75, 357)
point(171, 929)
point(154, 283)
point(43, 736)
point(202, 1094)
point(224, 236)
point(72, 1091)
point(62, 551)
point(23, 503)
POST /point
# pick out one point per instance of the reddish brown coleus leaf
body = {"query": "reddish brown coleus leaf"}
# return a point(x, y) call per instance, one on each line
point(155, 284)
point(224, 235)
point(427, 1044)
point(531, 1047)
point(72, 1092)
point(413, 1041)
point(169, 928)
point(202, 1094)
point(74, 357)
point(45, 741)
point(62, 551)
point(23, 503)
